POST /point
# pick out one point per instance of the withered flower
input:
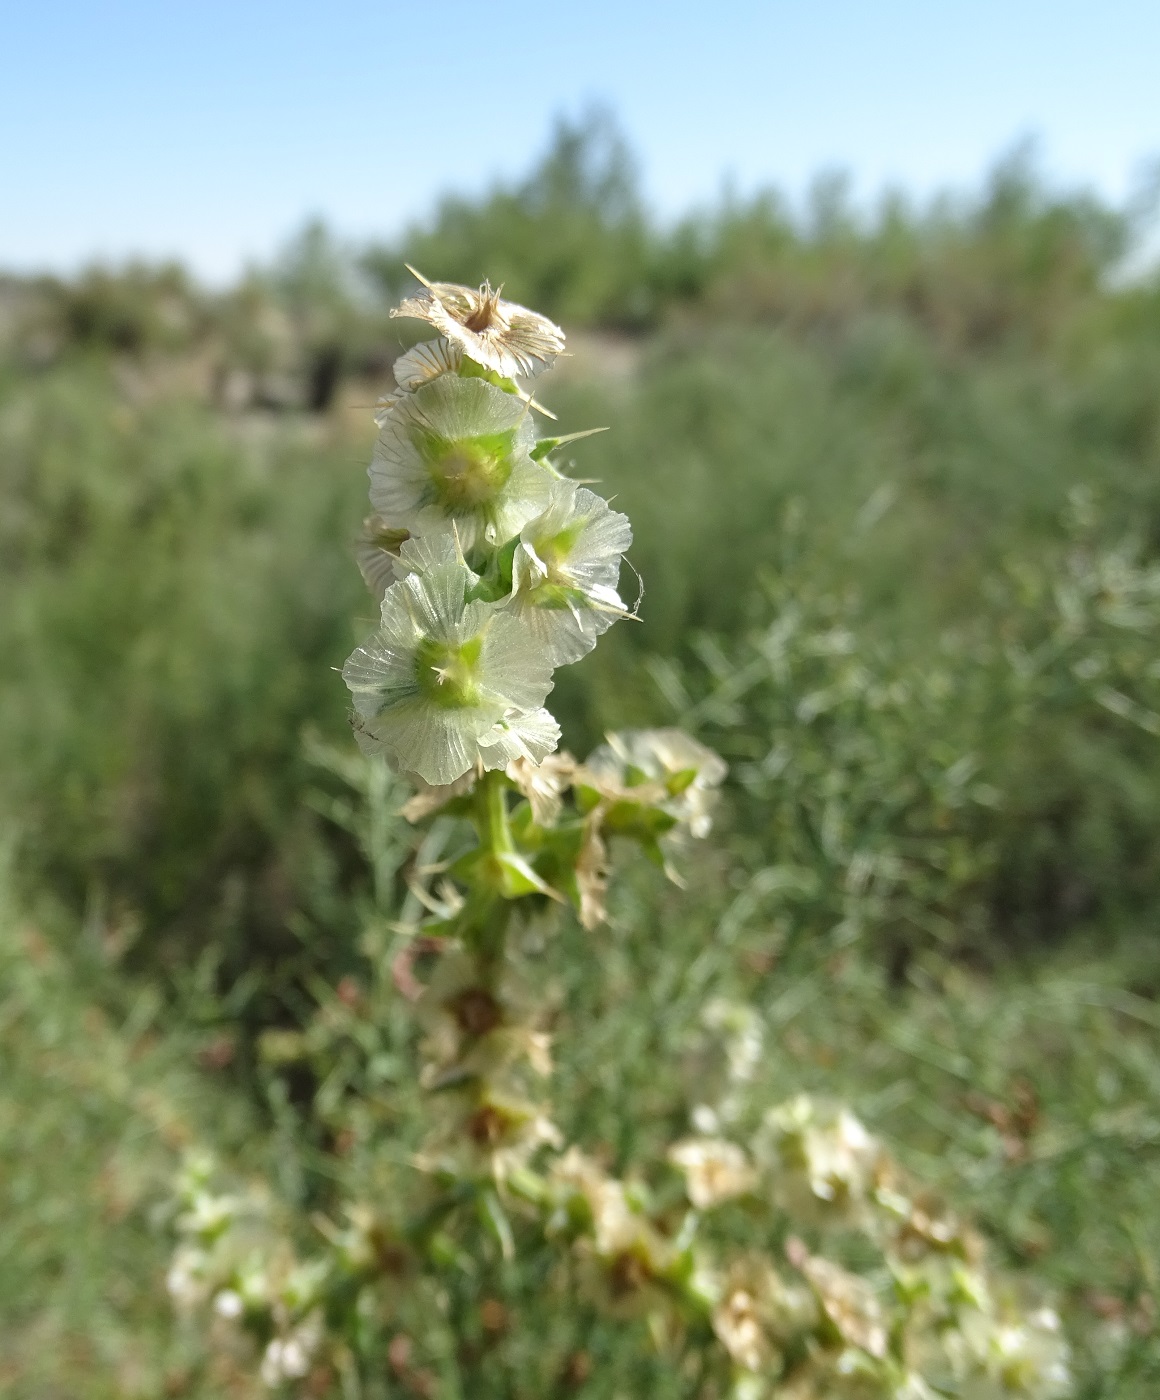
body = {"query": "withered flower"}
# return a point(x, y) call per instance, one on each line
point(497, 334)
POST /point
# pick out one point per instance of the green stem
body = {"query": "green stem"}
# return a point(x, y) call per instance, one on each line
point(495, 833)
point(487, 912)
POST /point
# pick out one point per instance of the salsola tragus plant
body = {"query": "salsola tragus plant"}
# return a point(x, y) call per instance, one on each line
point(780, 1252)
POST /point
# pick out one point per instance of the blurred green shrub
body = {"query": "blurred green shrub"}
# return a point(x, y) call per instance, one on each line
point(178, 600)
point(176, 603)
point(1012, 264)
point(1017, 265)
point(571, 239)
point(96, 1108)
point(136, 310)
point(912, 477)
point(991, 783)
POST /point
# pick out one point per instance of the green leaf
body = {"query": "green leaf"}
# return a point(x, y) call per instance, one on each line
point(639, 820)
point(493, 1215)
point(279, 1047)
point(585, 797)
point(518, 878)
point(547, 445)
point(495, 572)
point(682, 780)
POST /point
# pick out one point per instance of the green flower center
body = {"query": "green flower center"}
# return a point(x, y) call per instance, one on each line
point(557, 596)
point(557, 590)
point(555, 551)
point(446, 672)
point(467, 473)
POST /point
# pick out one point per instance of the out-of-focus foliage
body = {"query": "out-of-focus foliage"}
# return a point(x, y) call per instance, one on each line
point(1028, 1099)
point(95, 1110)
point(137, 310)
point(994, 785)
point(1011, 265)
point(907, 473)
point(174, 612)
point(1016, 266)
point(572, 239)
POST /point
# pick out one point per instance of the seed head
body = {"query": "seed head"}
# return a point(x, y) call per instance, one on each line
point(495, 333)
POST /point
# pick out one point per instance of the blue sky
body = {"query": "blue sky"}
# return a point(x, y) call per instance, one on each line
point(210, 130)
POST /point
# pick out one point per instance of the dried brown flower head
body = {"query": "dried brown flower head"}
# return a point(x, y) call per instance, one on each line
point(495, 333)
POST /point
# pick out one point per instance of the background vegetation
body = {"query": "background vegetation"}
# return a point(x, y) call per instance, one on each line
point(895, 482)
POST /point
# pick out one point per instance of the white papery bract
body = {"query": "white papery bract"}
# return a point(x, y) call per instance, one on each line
point(427, 361)
point(497, 334)
point(456, 452)
point(432, 358)
point(566, 569)
point(376, 552)
point(417, 367)
point(420, 554)
point(820, 1153)
point(532, 736)
point(443, 680)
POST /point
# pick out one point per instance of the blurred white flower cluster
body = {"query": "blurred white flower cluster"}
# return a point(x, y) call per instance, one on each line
point(926, 1318)
point(490, 567)
point(233, 1261)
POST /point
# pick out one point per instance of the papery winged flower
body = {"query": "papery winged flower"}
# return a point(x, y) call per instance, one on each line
point(759, 1315)
point(565, 571)
point(529, 741)
point(543, 784)
point(1025, 1355)
point(426, 361)
point(618, 1227)
point(715, 1170)
point(848, 1300)
point(416, 367)
point(456, 451)
point(529, 736)
point(376, 552)
point(495, 333)
point(288, 1358)
point(687, 772)
point(737, 1321)
point(445, 682)
point(432, 358)
point(820, 1155)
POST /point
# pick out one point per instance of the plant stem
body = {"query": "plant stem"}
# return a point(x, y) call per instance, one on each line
point(487, 912)
point(494, 831)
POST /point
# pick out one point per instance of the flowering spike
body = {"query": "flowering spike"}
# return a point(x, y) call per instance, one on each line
point(684, 773)
point(490, 568)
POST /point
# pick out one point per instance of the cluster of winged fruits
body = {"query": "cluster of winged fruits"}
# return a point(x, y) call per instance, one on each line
point(492, 568)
